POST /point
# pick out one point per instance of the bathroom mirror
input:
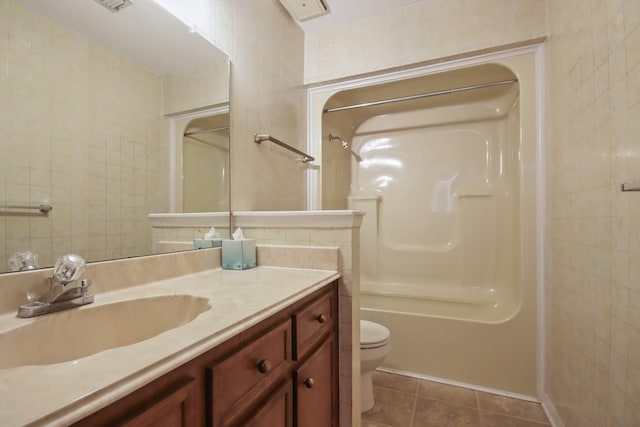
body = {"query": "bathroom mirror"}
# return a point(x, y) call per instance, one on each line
point(91, 98)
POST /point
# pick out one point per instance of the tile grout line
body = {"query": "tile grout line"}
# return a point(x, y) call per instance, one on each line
point(480, 414)
point(415, 404)
point(448, 402)
point(394, 390)
point(541, 423)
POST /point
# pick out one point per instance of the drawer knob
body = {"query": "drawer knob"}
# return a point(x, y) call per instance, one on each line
point(308, 383)
point(264, 366)
point(321, 318)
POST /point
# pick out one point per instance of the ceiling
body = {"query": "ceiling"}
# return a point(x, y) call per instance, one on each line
point(347, 10)
point(145, 32)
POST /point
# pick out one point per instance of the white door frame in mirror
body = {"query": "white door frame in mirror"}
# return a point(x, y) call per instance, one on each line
point(177, 126)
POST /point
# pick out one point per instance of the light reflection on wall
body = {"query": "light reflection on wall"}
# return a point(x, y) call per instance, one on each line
point(386, 162)
point(376, 144)
point(443, 197)
point(383, 181)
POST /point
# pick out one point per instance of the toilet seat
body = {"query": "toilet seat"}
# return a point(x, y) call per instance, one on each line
point(373, 335)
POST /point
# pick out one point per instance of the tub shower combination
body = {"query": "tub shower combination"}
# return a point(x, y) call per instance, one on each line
point(443, 165)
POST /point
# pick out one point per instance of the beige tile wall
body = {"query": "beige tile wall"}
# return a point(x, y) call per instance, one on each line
point(267, 53)
point(81, 128)
point(196, 88)
point(593, 229)
point(180, 234)
point(424, 31)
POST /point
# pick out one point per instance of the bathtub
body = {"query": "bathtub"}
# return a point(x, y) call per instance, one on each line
point(448, 246)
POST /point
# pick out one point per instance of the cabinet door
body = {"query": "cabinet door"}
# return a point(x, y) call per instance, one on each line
point(276, 411)
point(173, 406)
point(315, 394)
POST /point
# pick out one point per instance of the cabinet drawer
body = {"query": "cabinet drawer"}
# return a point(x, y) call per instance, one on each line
point(311, 323)
point(237, 380)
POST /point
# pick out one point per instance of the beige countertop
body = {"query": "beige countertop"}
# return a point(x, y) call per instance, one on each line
point(61, 393)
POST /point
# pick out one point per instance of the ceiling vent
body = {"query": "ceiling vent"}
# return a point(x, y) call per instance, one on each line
point(302, 10)
point(115, 5)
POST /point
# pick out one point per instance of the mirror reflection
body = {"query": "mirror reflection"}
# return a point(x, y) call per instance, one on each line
point(90, 100)
point(205, 159)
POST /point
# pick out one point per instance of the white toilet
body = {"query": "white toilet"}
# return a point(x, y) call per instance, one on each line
point(374, 347)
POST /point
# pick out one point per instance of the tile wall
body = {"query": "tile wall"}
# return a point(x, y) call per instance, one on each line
point(593, 229)
point(163, 236)
point(424, 31)
point(80, 128)
point(267, 66)
point(198, 87)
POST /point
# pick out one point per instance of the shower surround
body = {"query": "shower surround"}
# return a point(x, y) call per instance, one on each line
point(448, 183)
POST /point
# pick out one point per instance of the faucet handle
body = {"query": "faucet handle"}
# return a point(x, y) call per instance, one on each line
point(68, 268)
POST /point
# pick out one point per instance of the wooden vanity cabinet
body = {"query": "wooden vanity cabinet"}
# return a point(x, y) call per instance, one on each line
point(282, 372)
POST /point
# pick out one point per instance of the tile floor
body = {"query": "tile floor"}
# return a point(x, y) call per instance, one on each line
point(403, 401)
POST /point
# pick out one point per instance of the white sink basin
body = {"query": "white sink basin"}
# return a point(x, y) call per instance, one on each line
point(76, 333)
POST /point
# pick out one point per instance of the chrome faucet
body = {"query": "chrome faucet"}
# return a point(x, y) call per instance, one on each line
point(66, 289)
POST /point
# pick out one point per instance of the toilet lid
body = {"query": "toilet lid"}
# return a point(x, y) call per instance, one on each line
point(372, 334)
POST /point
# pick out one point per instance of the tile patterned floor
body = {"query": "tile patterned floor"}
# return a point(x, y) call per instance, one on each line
point(403, 401)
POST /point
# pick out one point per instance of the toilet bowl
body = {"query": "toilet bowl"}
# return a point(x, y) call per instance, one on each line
point(374, 348)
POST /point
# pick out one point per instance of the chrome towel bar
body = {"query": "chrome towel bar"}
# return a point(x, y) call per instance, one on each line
point(42, 208)
point(305, 157)
point(630, 186)
point(197, 132)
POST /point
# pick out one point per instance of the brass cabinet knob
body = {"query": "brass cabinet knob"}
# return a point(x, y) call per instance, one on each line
point(264, 366)
point(321, 318)
point(308, 383)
